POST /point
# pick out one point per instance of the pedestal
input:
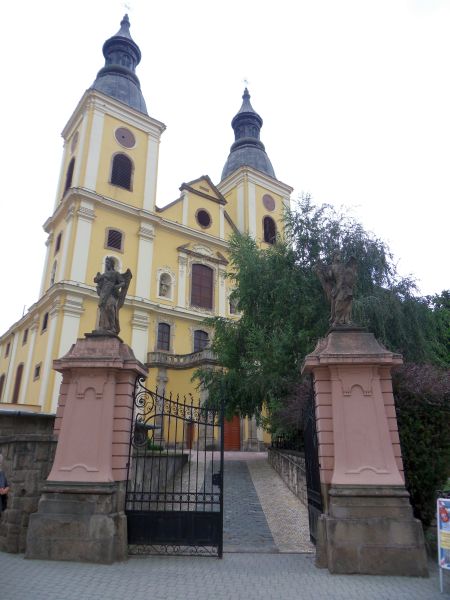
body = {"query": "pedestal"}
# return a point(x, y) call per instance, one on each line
point(81, 511)
point(367, 525)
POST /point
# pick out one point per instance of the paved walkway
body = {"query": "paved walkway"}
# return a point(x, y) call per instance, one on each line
point(267, 556)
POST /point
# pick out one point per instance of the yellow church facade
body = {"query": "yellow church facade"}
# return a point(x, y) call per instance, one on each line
point(106, 205)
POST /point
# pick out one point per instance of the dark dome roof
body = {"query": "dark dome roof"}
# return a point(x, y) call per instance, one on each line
point(118, 78)
point(247, 150)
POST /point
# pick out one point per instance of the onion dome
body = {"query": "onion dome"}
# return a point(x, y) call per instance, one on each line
point(118, 78)
point(247, 150)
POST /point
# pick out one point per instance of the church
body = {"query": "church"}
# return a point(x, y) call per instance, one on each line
point(107, 206)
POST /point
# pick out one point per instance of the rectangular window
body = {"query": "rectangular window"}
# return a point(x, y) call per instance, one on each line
point(163, 336)
point(114, 239)
point(8, 348)
point(37, 371)
point(25, 337)
point(44, 322)
point(202, 286)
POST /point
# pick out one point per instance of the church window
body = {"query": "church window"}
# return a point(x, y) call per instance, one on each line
point(69, 175)
point(270, 230)
point(114, 239)
point(8, 348)
point(203, 218)
point(25, 336)
point(15, 397)
point(58, 242)
point(2, 383)
point(121, 171)
point(202, 286)
point(37, 371)
point(201, 340)
point(45, 322)
point(163, 336)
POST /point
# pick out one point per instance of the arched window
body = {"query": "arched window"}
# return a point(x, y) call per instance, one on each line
point(69, 175)
point(163, 336)
point(17, 383)
point(2, 384)
point(114, 239)
point(202, 286)
point(121, 171)
point(270, 230)
point(201, 340)
point(58, 242)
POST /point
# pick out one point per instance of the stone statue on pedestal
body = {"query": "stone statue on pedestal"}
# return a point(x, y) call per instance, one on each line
point(337, 280)
point(112, 288)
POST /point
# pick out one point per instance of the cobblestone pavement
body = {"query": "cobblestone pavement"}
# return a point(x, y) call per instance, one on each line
point(235, 577)
point(267, 556)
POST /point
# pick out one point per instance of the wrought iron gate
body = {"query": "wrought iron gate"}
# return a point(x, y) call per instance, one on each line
point(174, 492)
point(315, 507)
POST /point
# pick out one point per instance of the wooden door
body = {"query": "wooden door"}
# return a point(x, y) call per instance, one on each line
point(232, 434)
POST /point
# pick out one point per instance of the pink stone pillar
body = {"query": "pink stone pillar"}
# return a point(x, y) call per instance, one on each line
point(367, 525)
point(93, 418)
point(81, 511)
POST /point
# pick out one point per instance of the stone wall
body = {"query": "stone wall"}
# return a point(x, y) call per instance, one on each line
point(290, 466)
point(28, 447)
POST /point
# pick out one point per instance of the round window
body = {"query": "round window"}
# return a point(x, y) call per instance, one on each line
point(269, 202)
point(203, 218)
point(125, 137)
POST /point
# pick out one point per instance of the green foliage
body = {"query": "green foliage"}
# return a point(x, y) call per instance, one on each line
point(422, 398)
point(284, 312)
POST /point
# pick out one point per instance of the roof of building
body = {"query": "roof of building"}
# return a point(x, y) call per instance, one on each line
point(118, 78)
point(247, 150)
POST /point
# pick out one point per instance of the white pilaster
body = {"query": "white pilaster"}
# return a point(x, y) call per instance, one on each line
point(222, 295)
point(139, 334)
point(12, 370)
point(221, 222)
point(182, 263)
point(85, 216)
point(28, 363)
point(145, 260)
point(95, 142)
point(48, 243)
point(252, 209)
point(67, 233)
point(79, 151)
point(61, 178)
point(48, 358)
point(70, 330)
point(151, 174)
point(185, 208)
point(240, 208)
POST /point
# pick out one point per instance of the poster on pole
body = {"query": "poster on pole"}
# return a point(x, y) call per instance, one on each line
point(443, 530)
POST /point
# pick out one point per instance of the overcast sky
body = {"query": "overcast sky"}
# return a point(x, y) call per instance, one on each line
point(355, 98)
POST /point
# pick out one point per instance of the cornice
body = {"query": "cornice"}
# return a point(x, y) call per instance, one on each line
point(93, 99)
point(148, 218)
point(253, 176)
point(221, 200)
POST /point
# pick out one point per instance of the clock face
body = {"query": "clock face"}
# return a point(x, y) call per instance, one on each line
point(74, 142)
point(268, 202)
point(125, 137)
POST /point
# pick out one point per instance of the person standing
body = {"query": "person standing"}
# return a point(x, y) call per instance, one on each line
point(4, 487)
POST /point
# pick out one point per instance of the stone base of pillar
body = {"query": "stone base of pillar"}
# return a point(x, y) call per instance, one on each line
point(371, 530)
point(82, 522)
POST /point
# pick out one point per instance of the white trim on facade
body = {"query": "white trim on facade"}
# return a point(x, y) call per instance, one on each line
point(95, 144)
point(252, 210)
point(145, 260)
point(47, 361)
point(182, 274)
point(151, 174)
point(139, 334)
point(10, 377)
point(85, 215)
point(26, 374)
point(48, 243)
point(82, 127)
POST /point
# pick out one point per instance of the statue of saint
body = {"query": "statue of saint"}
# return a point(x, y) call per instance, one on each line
point(112, 288)
point(337, 280)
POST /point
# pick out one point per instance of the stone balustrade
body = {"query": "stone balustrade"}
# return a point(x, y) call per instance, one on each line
point(290, 466)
